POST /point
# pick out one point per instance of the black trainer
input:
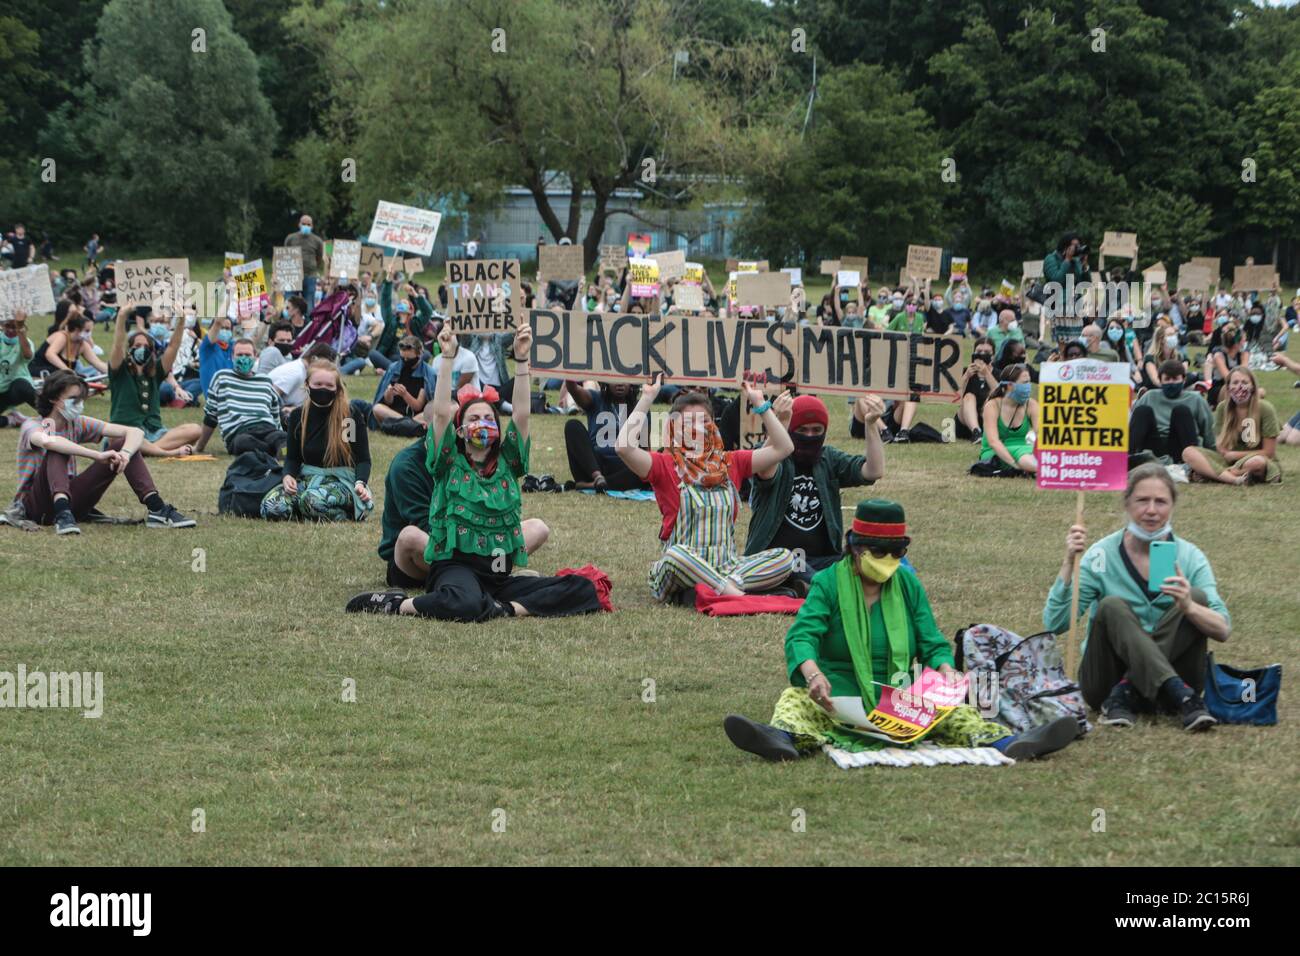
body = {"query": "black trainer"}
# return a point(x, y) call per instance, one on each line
point(168, 517)
point(1043, 739)
point(1195, 717)
point(762, 739)
point(65, 523)
point(903, 437)
point(1117, 708)
point(377, 602)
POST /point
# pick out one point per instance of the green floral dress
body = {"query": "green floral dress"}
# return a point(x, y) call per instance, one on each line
point(471, 513)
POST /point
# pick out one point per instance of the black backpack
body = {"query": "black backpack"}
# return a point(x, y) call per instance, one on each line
point(250, 476)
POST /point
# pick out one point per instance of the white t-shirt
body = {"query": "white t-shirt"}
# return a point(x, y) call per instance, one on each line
point(464, 362)
point(290, 379)
point(487, 363)
point(471, 248)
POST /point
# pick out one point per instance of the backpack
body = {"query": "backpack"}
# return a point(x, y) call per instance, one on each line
point(1027, 672)
point(250, 476)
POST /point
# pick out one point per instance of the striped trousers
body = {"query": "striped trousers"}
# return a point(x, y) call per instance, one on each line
point(681, 567)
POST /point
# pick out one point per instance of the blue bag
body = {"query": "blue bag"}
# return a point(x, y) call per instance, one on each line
point(1242, 697)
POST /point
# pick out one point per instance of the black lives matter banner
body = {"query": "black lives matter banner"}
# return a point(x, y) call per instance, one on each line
point(712, 352)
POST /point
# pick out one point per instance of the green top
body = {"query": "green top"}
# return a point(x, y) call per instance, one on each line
point(1162, 407)
point(12, 364)
point(879, 314)
point(1011, 437)
point(134, 399)
point(408, 488)
point(997, 336)
point(770, 496)
point(1056, 268)
point(1268, 425)
point(388, 338)
point(472, 513)
point(899, 323)
point(818, 634)
point(1104, 354)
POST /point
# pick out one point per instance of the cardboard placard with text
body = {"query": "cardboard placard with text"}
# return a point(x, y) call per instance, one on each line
point(405, 228)
point(613, 259)
point(766, 289)
point(560, 263)
point(1031, 270)
point(286, 268)
point(1155, 274)
point(25, 290)
point(672, 264)
point(1253, 278)
point(856, 263)
point(413, 267)
point(345, 259)
point(372, 260)
point(1193, 278)
point(688, 297)
point(483, 295)
point(159, 283)
point(829, 267)
point(1210, 263)
point(923, 262)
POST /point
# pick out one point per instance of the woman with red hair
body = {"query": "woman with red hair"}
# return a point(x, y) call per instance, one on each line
point(475, 538)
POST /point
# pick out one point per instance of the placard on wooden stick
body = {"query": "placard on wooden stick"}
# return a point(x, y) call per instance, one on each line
point(345, 259)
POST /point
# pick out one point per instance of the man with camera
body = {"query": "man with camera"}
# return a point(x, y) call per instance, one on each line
point(1070, 258)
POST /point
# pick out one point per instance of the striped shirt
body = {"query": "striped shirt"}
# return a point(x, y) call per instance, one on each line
point(31, 458)
point(236, 401)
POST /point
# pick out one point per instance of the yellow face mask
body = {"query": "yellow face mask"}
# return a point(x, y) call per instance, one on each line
point(876, 569)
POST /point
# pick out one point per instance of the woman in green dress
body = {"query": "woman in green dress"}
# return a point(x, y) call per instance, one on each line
point(1010, 414)
point(864, 627)
point(475, 538)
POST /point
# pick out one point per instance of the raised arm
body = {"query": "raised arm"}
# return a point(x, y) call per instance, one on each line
point(521, 400)
point(444, 405)
point(117, 354)
point(581, 397)
point(628, 446)
point(778, 446)
point(174, 343)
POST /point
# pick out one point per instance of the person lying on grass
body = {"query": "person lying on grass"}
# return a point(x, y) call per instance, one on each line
point(49, 487)
point(866, 623)
point(475, 533)
point(696, 486)
point(1144, 648)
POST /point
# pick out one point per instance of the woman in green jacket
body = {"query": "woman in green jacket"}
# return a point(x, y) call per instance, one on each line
point(864, 627)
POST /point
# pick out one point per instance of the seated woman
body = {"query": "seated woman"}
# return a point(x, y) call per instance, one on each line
point(65, 347)
point(475, 535)
point(403, 391)
point(1169, 419)
point(1009, 415)
point(326, 457)
point(1164, 348)
point(696, 487)
point(1222, 358)
point(1143, 647)
point(1245, 437)
point(593, 457)
point(864, 627)
point(136, 374)
point(977, 381)
point(49, 487)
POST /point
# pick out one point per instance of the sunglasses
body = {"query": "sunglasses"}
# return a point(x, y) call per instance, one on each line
point(875, 552)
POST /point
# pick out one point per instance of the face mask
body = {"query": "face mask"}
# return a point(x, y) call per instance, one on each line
point(9, 339)
point(936, 303)
point(1142, 534)
point(1171, 341)
point(370, 302)
point(1156, 303)
point(1171, 389)
point(1256, 318)
point(807, 448)
point(284, 348)
point(1013, 325)
point(322, 396)
point(481, 434)
point(284, 313)
point(243, 364)
point(1020, 393)
point(72, 408)
point(876, 569)
point(158, 331)
point(1221, 320)
point(1114, 334)
point(898, 302)
point(1241, 393)
point(1193, 309)
point(84, 336)
point(140, 354)
point(224, 336)
point(305, 230)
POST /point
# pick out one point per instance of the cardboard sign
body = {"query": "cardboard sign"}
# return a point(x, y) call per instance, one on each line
point(672, 265)
point(638, 245)
point(763, 289)
point(159, 283)
point(1155, 274)
point(829, 267)
point(1122, 245)
point(1032, 270)
point(688, 297)
point(1252, 278)
point(796, 276)
point(848, 279)
point(286, 268)
point(923, 261)
point(613, 259)
point(413, 267)
point(857, 263)
point(233, 259)
point(26, 290)
point(345, 259)
point(558, 263)
point(707, 351)
point(484, 295)
point(756, 265)
point(406, 228)
point(643, 276)
point(958, 268)
point(1083, 425)
point(694, 274)
point(1193, 278)
point(1210, 263)
point(250, 284)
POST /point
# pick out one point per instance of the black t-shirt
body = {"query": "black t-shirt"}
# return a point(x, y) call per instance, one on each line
point(413, 379)
point(22, 250)
point(312, 451)
point(938, 321)
point(804, 524)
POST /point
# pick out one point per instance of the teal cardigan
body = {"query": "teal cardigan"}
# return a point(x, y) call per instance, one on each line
point(834, 470)
point(818, 634)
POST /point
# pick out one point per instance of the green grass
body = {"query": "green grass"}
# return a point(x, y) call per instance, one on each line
point(223, 692)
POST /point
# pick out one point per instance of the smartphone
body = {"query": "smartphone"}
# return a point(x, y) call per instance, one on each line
point(1163, 555)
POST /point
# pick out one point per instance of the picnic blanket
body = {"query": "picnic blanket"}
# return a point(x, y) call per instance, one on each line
point(636, 494)
point(920, 755)
point(710, 602)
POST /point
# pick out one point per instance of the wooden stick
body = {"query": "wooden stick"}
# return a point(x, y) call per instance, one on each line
point(1071, 641)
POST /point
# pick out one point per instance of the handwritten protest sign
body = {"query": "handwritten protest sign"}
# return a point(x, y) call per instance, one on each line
point(1211, 265)
point(643, 276)
point(848, 279)
point(372, 260)
point(756, 265)
point(250, 284)
point(26, 290)
point(694, 274)
point(233, 259)
point(1119, 245)
point(1252, 278)
point(613, 259)
point(829, 267)
point(857, 263)
point(923, 261)
point(958, 268)
point(1193, 278)
point(345, 259)
point(484, 295)
point(688, 297)
point(638, 245)
point(413, 267)
point(672, 265)
point(763, 289)
point(158, 283)
point(560, 263)
point(406, 228)
point(1155, 274)
point(707, 351)
point(286, 268)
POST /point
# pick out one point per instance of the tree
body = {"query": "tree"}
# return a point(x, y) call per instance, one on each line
point(1270, 201)
point(446, 96)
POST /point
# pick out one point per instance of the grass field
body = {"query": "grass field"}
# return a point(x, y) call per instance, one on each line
point(223, 691)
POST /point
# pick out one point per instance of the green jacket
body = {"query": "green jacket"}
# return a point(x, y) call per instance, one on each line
point(1055, 268)
point(903, 322)
point(423, 314)
point(833, 471)
point(818, 634)
point(408, 487)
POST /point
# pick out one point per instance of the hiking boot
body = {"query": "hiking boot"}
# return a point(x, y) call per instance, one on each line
point(1195, 717)
point(65, 523)
point(1117, 708)
point(1043, 739)
point(168, 517)
point(376, 602)
point(762, 739)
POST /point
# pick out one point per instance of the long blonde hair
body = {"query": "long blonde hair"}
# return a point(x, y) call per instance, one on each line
point(1156, 350)
point(1237, 415)
point(338, 451)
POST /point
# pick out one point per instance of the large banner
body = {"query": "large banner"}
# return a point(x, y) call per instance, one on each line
point(286, 268)
point(158, 283)
point(707, 351)
point(484, 295)
point(27, 290)
point(1083, 425)
point(404, 227)
point(250, 284)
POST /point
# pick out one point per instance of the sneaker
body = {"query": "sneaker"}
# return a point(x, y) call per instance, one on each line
point(1042, 740)
point(1178, 473)
point(977, 436)
point(1195, 716)
point(377, 602)
point(168, 517)
point(65, 523)
point(902, 437)
point(1117, 708)
point(761, 739)
point(886, 438)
